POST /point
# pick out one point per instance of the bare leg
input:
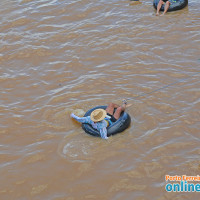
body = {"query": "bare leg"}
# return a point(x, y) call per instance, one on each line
point(166, 7)
point(119, 110)
point(159, 7)
point(111, 107)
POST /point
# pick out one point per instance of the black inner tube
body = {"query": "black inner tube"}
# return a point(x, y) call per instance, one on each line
point(120, 125)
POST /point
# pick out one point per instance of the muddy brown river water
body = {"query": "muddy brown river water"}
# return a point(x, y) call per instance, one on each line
point(57, 56)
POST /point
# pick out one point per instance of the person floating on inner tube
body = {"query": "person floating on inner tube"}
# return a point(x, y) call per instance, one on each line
point(100, 119)
point(161, 2)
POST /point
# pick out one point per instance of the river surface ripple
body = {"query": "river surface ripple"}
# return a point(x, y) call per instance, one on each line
point(58, 56)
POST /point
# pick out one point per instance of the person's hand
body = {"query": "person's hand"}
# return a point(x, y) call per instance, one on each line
point(72, 115)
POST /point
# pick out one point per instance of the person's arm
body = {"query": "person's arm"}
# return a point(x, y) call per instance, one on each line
point(81, 119)
point(103, 133)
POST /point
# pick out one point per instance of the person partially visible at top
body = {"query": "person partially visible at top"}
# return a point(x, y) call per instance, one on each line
point(100, 119)
point(161, 2)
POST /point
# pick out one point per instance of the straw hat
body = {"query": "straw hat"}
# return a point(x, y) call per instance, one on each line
point(98, 115)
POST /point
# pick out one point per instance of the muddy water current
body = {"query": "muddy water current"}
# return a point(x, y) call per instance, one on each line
point(58, 56)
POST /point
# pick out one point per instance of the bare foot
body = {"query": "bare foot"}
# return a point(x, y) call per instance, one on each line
point(162, 14)
point(157, 14)
point(128, 105)
point(124, 103)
